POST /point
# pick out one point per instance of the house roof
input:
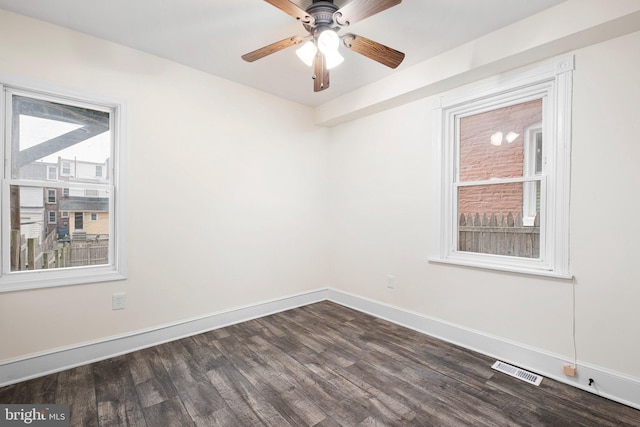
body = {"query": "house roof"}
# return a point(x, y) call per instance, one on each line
point(85, 204)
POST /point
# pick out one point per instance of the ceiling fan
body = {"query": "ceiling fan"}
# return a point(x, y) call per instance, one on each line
point(323, 20)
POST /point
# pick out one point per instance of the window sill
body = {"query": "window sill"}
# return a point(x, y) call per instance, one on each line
point(38, 279)
point(503, 268)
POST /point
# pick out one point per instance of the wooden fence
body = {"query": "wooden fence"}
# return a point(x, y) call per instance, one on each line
point(86, 253)
point(499, 234)
point(32, 250)
point(57, 254)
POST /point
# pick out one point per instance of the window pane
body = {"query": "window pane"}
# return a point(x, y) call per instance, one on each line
point(48, 137)
point(491, 220)
point(52, 136)
point(51, 240)
point(492, 143)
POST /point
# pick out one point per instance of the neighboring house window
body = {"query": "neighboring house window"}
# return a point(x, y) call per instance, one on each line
point(94, 216)
point(504, 172)
point(98, 171)
point(78, 222)
point(52, 173)
point(37, 128)
point(51, 196)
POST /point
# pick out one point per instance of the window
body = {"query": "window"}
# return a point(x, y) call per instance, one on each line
point(52, 173)
point(66, 168)
point(51, 196)
point(78, 221)
point(98, 171)
point(40, 131)
point(93, 216)
point(504, 172)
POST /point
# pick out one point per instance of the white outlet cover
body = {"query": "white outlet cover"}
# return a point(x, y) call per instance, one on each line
point(118, 301)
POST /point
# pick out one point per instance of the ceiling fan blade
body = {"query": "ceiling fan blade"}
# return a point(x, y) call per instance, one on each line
point(292, 9)
point(320, 73)
point(357, 10)
point(272, 48)
point(373, 50)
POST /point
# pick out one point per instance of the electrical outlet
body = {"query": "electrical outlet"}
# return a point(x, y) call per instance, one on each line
point(569, 370)
point(118, 301)
point(391, 281)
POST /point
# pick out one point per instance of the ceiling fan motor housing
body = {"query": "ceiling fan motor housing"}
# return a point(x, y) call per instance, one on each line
point(322, 12)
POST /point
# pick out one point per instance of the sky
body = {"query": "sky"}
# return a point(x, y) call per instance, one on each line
point(35, 130)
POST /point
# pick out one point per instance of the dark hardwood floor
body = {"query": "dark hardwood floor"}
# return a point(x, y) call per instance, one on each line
point(318, 365)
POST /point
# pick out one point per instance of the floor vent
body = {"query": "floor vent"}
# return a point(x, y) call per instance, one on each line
point(517, 373)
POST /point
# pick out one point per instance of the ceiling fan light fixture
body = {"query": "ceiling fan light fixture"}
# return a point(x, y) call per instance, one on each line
point(307, 53)
point(323, 20)
point(328, 41)
point(333, 59)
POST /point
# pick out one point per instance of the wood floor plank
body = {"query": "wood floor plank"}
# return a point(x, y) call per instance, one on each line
point(249, 406)
point(168, 413)
point(118, 403)
point(39, 390)
point(7, 393)
point(146, 364)
point(320, 365)
point(155, 390)
point(76, 387)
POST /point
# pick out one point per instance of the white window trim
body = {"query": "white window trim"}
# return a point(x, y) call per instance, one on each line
point(66, 165)
point(118, 222)
point(552, 82)
point(93, 215)
point(55, 173)
point(529, 191)
point(64, 214)
point(55, 218)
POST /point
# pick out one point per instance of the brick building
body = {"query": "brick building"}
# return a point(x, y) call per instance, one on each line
point(502, 143)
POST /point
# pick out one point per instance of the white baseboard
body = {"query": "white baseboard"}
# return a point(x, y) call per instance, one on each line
point(38, 365)
point(611, 385)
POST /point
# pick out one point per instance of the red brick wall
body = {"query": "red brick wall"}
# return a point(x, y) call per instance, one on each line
point(480, 160)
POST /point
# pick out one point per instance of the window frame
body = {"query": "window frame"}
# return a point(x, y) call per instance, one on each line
point(51, 191)
point(55, 173)
point(117, 268)
point(65, 168)
point(529, 199)
point(552, 82)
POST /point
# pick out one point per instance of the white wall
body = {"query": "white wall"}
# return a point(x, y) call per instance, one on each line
point(382, 205)
point(226, 199)
point(281, 207)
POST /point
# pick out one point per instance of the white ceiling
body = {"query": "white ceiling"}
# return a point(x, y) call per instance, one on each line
point(211, 35)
